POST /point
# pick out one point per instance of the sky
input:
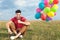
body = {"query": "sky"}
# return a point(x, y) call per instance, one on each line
point(28, 8)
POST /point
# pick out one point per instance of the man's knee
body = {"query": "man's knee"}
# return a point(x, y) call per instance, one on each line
point(24, 28)
point(12, 26)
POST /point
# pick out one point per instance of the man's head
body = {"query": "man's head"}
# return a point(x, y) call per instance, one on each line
point(18, 13)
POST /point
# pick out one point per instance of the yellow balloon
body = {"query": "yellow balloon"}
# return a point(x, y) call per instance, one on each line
point(51, 14)
point(55, 6)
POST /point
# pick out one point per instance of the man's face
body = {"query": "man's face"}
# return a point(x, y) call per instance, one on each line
point(18, 15)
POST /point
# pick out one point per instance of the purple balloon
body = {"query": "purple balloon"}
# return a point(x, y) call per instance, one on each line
point(51, 5)
point(48, 18)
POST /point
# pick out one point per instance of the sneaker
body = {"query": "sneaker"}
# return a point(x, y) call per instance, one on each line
point(12, 37)
point(21, 36)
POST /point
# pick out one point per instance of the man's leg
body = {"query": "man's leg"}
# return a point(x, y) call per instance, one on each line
point(22, 30)
point(13, 29)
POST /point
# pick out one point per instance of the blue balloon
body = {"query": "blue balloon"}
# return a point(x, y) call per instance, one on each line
point(47, 20)
point(41, 6)
point(38, 15)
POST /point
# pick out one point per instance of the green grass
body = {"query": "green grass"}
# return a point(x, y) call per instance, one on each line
point(38, 30)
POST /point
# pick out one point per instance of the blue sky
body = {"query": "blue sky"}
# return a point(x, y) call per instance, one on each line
point(28, 8)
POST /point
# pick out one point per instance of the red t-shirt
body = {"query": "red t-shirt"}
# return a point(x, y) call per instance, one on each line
point(18, 25)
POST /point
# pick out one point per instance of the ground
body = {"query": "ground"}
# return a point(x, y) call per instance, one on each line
point(38, 30)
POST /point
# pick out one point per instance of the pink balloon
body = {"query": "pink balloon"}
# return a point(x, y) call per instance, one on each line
point(55, 14)
point(46, 2)
point(38, 10)
point(51, 5)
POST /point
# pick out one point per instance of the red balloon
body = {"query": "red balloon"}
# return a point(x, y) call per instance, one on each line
point(43, 16)
point(47, 5)
point(55, 1)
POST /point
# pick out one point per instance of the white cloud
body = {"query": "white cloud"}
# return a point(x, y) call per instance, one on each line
point(20, 2)
point(1, 1)
point(1, 14)
point(34, 2)
point(25, 3)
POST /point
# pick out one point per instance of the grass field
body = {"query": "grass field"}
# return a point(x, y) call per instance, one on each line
point(38, 30)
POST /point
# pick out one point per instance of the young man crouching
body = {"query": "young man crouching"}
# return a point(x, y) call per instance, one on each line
point(17, 25)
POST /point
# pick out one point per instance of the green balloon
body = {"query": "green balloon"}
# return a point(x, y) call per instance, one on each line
point(53, 9)
point(50, 1)
point(46, 10)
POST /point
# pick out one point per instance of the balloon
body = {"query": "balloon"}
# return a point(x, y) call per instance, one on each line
point(47, 5)
point(43, 16)
point(55, 14)
point(38, 15)
point(51, 5)
point(51, 14)
point(46, 2)
point(46, 10)
point(41, 6)
point(38, 10)
point(55, 1)
point(50, 1)
point(54, 8)
point(48, 18)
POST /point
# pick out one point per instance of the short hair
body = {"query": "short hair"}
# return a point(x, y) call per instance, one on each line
point(18, 11)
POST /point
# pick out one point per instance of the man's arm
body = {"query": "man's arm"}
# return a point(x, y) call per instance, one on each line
point(10, 23)
point(25, 23)
point(7, 25)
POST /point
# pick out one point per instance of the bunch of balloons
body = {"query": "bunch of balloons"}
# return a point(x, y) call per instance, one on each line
point(47, 9)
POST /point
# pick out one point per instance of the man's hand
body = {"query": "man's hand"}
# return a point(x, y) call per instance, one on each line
point(26, 23)
point(20, 21)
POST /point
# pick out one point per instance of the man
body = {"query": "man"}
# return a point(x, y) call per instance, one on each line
point(17, 25)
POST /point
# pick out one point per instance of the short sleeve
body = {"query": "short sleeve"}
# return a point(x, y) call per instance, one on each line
point(23, 19)
point(12, 19)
